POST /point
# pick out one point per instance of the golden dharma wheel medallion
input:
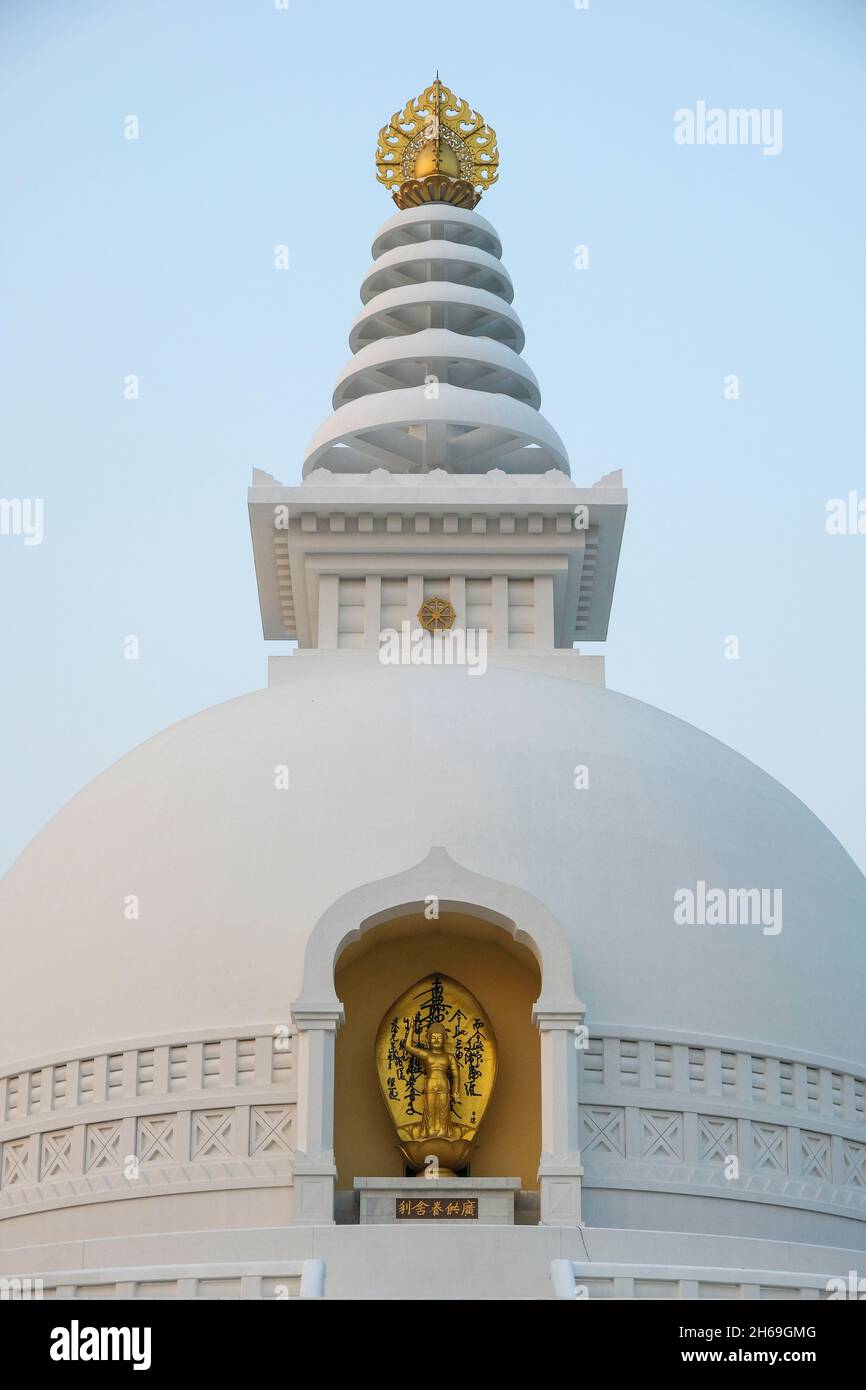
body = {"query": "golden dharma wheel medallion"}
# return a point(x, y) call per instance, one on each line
point(436, 614)
point(436, 1060)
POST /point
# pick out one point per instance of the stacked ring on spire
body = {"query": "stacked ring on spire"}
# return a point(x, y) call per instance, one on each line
point(426, 261)
point(436, 380)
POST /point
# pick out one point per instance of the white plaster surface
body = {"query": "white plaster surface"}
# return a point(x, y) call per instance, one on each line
point(231, 874)
point(238, 830)
point(410, 1261)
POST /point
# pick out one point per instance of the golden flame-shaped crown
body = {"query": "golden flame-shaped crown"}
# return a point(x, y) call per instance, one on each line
point(437, 150)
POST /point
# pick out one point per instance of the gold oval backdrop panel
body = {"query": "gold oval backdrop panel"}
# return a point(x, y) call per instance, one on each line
point(427, 1095)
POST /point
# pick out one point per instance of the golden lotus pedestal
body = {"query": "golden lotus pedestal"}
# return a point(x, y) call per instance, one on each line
point(449, 1201)
point(449, 1155)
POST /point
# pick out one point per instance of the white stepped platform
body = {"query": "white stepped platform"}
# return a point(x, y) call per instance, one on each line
point(414, 1261)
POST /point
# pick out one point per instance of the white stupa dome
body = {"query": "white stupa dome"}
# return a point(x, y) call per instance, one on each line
point(232, 874)
point(683, 1097)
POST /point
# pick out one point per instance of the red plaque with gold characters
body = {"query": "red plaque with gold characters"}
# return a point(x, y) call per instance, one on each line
point(437, 1209)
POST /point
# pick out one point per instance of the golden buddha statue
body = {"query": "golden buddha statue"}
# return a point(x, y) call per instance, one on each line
point(436, 1060)
point(441, 1082)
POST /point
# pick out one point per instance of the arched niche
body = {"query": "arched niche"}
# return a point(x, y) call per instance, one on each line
point(503, 975)
point(440, 883)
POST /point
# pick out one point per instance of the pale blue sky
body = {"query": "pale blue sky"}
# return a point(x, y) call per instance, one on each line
point(258, 127)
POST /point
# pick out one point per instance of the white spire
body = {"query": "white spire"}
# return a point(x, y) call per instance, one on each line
point(436, 380)
point(436, 479)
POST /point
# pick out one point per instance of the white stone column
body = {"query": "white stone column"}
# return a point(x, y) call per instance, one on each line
point(372, 610)
point(313, 1169)
point(329, 610)
point(543, 624)
point(560, 1169)
point(457, 596)
point(499, 606)
point(414, 598)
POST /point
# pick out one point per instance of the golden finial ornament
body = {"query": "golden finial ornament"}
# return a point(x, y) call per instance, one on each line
point(437, 150)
